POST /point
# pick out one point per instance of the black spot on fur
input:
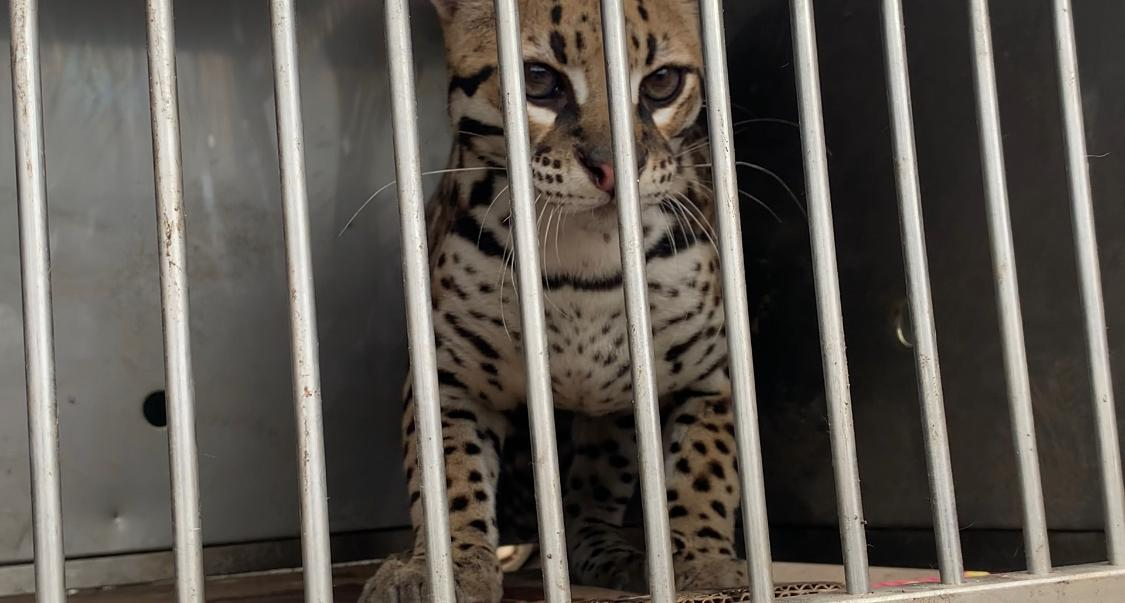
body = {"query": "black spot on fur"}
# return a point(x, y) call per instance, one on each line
point(716, 470)
point(470, 83)
point(558, 46)
point(459, 503)
point(466, 227)
point(448, 378)
point(463, 415)
point(468, 128)
point(482, 191)
point(474, 339)
point(708, 533)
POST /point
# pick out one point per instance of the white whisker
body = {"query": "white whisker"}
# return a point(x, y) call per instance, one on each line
point(364, 205)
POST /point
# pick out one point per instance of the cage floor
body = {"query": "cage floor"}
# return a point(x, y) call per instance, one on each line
point(524, 587)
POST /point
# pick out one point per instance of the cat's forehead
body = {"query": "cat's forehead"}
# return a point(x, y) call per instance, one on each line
point(568, 33)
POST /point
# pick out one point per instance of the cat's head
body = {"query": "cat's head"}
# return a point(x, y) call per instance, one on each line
point(565, 89)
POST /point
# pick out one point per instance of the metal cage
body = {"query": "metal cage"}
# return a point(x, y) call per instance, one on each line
point(1042, 581)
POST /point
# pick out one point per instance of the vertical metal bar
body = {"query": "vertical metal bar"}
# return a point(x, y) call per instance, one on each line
point(921, 304)
point(654, 500)
point(416, 279)
point(1037, 551)
point(171, 221)
point(1089, 272)
point(38, 330)
point(548, 491)
point(754, 519)
point(842, 432)
point(302, 306)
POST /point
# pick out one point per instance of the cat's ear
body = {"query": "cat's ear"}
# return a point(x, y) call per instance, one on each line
point(446, 8)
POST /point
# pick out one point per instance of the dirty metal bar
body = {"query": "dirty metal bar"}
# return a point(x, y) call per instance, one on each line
point(1089, 271)
point(302, 306)
point(936, 438)
point(1037, 551)
point(754, 517)
point(654, 499)
point(416, 278)
point(38, 330)
point(842, 432)
point(171, 220)
point(548, 491)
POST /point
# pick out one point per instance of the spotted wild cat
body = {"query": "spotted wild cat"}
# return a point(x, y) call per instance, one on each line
point(481, 371)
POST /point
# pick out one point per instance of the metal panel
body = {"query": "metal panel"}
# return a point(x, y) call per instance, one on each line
point(882, 371)
point(105, 270)
point(1084, 584)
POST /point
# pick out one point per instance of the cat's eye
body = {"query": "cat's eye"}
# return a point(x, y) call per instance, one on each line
point(663, 85)
point(541, 83)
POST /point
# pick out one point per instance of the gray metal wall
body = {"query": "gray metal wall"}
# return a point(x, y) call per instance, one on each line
point(115, 482)
point(99, 157)
point(794, 429)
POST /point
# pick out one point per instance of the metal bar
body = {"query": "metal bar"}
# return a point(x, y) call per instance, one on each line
point(936, 439)
point(1037, 551)
point(38, 329)
point(416, 279)
point(842, 432)
point(302, 306)
point(654, 500)
point(1076, 583)
point(180, 387)
point(736, 305)
point(1101, 379)
point(548, 490)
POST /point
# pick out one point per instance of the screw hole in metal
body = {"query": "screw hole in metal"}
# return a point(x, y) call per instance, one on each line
point(155, 409)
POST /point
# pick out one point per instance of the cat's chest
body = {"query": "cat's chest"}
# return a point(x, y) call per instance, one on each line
point(588, 337)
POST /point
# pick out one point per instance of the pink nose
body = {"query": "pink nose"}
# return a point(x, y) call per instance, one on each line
point(602, 176)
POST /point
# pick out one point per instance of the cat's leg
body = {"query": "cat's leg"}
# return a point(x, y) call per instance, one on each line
point(472, 434)
point(703, 490)
point(599, 486)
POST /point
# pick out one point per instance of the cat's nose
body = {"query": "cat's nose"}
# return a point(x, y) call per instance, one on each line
point(601, 173)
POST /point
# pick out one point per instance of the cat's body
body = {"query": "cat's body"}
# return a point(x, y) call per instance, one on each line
point(478, 331)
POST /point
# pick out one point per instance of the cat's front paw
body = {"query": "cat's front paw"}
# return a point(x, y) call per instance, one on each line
point(477, 580)
point(711, 574)
point(618, 568)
